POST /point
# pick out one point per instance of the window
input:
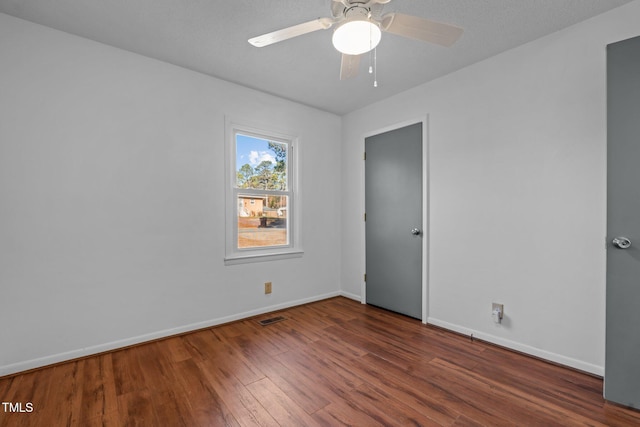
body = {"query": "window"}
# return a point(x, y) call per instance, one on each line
point(260, 196)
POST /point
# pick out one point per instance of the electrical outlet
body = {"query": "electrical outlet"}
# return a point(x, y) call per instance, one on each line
point(499, 310)
point(267, 287)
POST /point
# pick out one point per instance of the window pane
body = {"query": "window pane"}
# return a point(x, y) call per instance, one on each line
point(261, 164)
point(262, 221)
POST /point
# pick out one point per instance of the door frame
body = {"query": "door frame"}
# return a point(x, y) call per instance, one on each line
point(425, 207)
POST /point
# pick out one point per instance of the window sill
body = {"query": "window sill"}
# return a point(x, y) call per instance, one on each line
point(245, 259)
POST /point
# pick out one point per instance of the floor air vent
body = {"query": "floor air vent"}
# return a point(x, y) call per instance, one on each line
point(271, 320)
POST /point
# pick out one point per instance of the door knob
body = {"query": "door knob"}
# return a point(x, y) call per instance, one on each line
point(621, 242)
point(415, 231)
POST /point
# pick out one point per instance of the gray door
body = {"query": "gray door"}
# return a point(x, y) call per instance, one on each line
point(393, 193)
point(622, 363)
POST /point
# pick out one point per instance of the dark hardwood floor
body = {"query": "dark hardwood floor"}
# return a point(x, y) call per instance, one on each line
point(334, 362)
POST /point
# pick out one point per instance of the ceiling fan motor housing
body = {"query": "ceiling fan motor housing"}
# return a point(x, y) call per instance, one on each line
point(343, 8)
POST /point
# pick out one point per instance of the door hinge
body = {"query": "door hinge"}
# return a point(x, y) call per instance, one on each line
point(365, 216)
point(364, 156)
point(365, 277)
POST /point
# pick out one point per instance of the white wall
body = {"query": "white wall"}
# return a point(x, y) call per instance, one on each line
point(517, 191)
point(112, 199)
point(112, 213)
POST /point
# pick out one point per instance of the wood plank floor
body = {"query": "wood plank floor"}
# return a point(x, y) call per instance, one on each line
point(334, 362)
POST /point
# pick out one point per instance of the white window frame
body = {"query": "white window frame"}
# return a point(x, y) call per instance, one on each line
point(233, 254)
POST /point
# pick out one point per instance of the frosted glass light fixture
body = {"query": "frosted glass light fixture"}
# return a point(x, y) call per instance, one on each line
point(356, 36)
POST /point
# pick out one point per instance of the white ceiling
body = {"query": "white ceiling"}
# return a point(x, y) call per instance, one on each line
point(210, 36)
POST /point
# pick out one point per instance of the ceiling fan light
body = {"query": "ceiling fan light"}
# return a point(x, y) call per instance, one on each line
point(356, 37)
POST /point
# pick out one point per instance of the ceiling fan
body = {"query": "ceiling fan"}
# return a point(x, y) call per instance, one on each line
point(359, 24)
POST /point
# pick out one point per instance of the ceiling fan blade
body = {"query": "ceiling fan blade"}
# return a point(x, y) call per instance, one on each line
point(421, 29)
point(349, 66)
point(290, 32)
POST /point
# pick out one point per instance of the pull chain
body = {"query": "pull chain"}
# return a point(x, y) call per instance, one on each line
point(371, 62)
point(375, 67)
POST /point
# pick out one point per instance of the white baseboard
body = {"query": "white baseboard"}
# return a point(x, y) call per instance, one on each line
point(523, 348)
point(114, 345)
point(351, 296)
